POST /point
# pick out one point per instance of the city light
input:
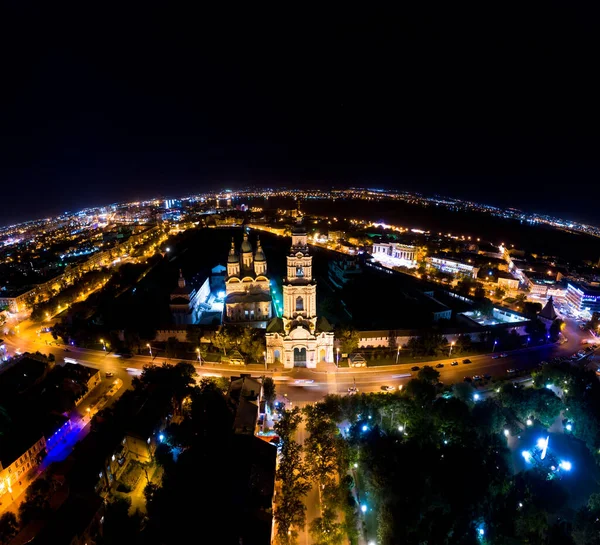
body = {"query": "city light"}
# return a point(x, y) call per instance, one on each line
point(506, 433)
point(365, 428)
point(527, 455)
point(569, 427)
point(476, 397)
point(363, 508)
point(565, 465)
point(161, 437)
point(481, 531)
point(529, 422)
point(400, 428)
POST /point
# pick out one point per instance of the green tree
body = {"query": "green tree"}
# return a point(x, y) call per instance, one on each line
point(290, 511)
point(223, 339)
point(348, 339)
point(119, 528)
point(521, 298)
point(499, 293)
point(269, 391)
point(252, 343)
point(531, 309)
point(325, 530)
point(428, 374)
point(37, 501)
point(536, 329)
point(9, 527)
point(193, 335)
point(172, 347)
point(463, 343)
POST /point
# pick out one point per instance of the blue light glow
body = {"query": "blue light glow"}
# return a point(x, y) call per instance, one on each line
point(549, 386)
point(161, 437)
point(476, 397)
point(541, 442)
point(527, 455)
point(566, 465)
point(363, 508)
point(569, 427)
point(365, 428)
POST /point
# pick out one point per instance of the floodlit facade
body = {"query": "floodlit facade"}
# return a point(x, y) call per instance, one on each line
point(394, 254)
point(248, 295)
point(299, 338)
point(452, 266)
point(582, 299)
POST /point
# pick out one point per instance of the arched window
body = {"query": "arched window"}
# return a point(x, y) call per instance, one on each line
point(299, 271)
point(299, 304)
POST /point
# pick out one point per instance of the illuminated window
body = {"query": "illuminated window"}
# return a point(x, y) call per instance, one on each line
point(299, 271)
point(299, 304)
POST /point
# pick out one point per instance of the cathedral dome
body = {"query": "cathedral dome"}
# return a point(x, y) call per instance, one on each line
point(259, 255)
point(233, 257)
point(246, 246)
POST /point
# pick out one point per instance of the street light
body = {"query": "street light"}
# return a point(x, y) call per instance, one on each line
point(265, 358)
point(199, 358)
point(451, 347)
point(338, 358)
point(103, 344)
point(397, 354)
point(495, 343)
point(149, 348)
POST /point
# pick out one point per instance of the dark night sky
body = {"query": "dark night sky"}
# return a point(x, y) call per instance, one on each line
point(498, 104)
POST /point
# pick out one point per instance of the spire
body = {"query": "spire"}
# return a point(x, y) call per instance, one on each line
point(548, 311)
point(233, 257)
point(259, 255)
point(246, 246)
point(181, 281)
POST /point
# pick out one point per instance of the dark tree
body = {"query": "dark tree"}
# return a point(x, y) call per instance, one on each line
point(269, 391)
point(9, 527)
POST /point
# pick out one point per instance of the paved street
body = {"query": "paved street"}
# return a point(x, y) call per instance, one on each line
point(309, 385)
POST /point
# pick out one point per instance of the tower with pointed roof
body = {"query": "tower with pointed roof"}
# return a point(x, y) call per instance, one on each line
point(247, 287)
point(184, 303)
point(299, 338)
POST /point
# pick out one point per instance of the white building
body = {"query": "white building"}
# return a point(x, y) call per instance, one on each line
point(452, 266)
point(299, 338)
point(248, 294)
point(394, 254)
point(186, 301)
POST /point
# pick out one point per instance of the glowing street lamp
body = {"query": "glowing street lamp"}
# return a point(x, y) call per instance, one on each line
point(199, 357)
point(265, 358)
point(451, 347)
point(495, 344)
point(338, 357)
point(103, 344)
point(397, 354)
point(149, 348)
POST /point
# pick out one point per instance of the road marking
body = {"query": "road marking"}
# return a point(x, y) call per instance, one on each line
point(331, 382)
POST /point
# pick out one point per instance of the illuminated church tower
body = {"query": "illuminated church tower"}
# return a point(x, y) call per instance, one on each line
point(299, 338)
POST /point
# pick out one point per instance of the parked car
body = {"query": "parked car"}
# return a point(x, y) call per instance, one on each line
point(477, 377)
point(504, 355)
point(415, 368)
point(495, 356)
point(439, 365)
point(109, 374)
point(454, 363)
point(388, 388)
point(467, 360)
point(511, 371)
point(352, 390)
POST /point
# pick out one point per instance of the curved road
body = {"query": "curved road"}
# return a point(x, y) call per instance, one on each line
point(307, 385)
